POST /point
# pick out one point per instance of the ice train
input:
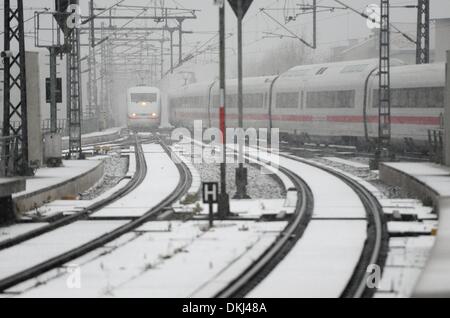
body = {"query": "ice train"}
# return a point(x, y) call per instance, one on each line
point(144, 107)
point(333, 102)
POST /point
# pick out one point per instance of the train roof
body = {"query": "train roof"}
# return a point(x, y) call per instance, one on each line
point(148, 89)
point(423, 75)
point(260, 80)
point(332, 76)
point(336, 68)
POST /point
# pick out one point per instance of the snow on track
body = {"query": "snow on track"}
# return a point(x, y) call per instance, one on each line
point(10, 232)
point(161, 180)
point(170, 259)
point(320, 264)
point(37, 250)
point(323, 261)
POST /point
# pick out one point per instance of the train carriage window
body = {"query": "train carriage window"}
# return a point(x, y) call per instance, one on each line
point(437, 97)
point(231, 101)
point(422, 97)
point(216, 101)
point(144, 97)
point(184, 102)
point(195, 102)
point(253, 101)
point(399, 98)
point(287, 100)
point(187, 102)
point(330, 99)
point(375, 99)
point(412, 98)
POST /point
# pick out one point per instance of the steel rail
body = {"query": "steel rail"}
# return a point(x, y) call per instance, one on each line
point(280, 248)
point(58, 261)
point(376, 246)
point(135, 181)
point(374, 252)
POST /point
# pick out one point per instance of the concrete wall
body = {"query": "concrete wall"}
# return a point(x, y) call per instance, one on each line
point(34, 106)
point(411, 185)
point(70, 187)
point(442, 39)
point(447, 114)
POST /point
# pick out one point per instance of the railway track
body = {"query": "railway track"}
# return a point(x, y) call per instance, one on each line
point(374, 252)
point(60, 260)
point(287, 239)
point(376, 246)
point(134, 182)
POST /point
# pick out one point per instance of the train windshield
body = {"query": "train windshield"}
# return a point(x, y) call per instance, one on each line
point(144, 97)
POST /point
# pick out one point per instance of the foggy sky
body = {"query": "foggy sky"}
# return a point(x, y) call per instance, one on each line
point(333, 27)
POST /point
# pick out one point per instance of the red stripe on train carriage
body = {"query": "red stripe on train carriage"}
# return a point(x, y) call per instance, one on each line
point(399, 120)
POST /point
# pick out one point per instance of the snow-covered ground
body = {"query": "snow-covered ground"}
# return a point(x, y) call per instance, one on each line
point(187, 259)
point(115, 169)
point(321, 263)
point(106, 132)
point(37, 250)
point(12, 231)
point(114, 172)
point(51, 177)
point(164, 259)
point(161, 180)
point(411, 227)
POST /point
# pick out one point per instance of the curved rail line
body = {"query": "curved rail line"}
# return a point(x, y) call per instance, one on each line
point(376, 246)
point(181, 189)
point(253, 275)
point(374, 252)
point(135, 181)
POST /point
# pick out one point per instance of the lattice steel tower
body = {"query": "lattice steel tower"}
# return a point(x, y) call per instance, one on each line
point(423, 32)
point(15, 90)
point(74, 108)
point(92, 91)
point(384, 110)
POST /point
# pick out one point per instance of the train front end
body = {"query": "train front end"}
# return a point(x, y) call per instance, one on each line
point(144, 108)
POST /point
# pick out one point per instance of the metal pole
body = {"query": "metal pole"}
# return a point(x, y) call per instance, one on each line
point(211, 215)
point(241, 173)
point(162, 56)
point(224, 200)
point(171, 51)
point(384, 107)
point(180, 42)
point(53, 79)
point(315, 24)
point(92, 82)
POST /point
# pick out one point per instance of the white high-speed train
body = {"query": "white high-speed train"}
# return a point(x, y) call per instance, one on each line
point(144, 107)
point(336, 102)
